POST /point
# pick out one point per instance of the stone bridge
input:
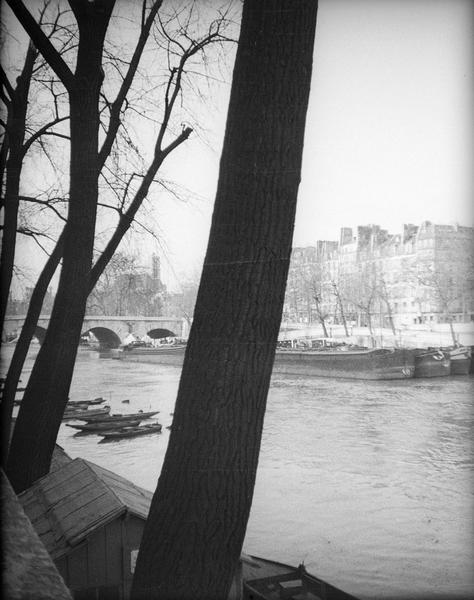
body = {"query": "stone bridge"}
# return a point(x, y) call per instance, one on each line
point(110, 331)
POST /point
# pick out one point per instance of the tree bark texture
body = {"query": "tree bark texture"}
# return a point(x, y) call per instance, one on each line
point(47, 391)
point(196, 527)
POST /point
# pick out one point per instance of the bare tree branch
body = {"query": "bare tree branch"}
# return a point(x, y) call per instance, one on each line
point(42, 43)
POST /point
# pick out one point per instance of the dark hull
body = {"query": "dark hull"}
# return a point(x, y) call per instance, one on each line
point(81, 403)
point(460, 360)
point(82, 415)
point(134, 432)
point(356, 364)
point(267, 580)
point(461, 366)
point(117, 418)
point(431, 363)
point(167, 355)
point(104, 425)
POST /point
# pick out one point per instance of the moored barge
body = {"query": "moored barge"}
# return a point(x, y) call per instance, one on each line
point(431, 362)
point(342, 361)
point(460, 358)
point(346, 363)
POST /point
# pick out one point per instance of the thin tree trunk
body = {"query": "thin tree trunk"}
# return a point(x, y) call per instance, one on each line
point(341, 308)
point(197, 522)
point(16, 135)
point(321, 317)
point(47, 391)
point(23, 344)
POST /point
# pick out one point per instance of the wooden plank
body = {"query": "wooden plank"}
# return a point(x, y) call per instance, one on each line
point(96, 558)
point(113, 565)
point(77, 568)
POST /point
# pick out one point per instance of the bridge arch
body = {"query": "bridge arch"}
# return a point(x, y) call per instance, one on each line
point(106, 337)
point(156, 334)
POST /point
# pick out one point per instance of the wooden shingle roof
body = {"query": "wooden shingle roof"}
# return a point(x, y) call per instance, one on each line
point(28, 573)
point(71, 502)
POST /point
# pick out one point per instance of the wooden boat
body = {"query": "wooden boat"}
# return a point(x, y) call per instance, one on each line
point(127, 432)
point(118, 417)
point(346, 362)
point(264, 579)
point(88, 414)
point(105, 425)
point(79, 403)
point(431, 362)
point(460, 357)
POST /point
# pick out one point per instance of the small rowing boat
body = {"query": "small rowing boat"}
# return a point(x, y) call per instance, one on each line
point(81, 415)
point(80, 403)
point(104, 425)
point(117, 417)
point(127, 432)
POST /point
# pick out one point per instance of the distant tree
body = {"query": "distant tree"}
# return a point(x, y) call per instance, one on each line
point(198, 517)
point(386, 299)
point(362, 290)
point(340, 304)
point(125, 288)
point(447, 283)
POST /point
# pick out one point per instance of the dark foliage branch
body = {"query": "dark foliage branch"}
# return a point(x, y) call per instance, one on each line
point(42, 43)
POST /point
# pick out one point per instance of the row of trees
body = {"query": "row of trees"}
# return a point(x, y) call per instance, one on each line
point(199, 512)
point(372, 292)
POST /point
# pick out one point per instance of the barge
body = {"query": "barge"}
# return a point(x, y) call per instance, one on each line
point(342, 362)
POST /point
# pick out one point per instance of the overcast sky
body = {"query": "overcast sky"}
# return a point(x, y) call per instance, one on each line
point(388, 136)
point(389, 129)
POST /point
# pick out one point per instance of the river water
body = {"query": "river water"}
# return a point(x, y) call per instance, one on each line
point(369, 483)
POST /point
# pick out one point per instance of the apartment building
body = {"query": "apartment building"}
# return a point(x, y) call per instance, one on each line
point(370, 277)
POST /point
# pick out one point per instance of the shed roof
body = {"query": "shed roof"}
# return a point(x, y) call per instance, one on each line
point(70, 503)
point(27, 569)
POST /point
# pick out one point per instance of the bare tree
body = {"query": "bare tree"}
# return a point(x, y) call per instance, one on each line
point(446, 287)
point(20, 135)
point(31, 460)
point(340, 305)
point(77, 276)
point(194, 533)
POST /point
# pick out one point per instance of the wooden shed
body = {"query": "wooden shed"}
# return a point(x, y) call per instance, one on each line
point(91, 522)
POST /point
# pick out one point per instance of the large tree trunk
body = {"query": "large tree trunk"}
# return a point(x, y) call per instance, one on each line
point(199, 512)
point(47, 391)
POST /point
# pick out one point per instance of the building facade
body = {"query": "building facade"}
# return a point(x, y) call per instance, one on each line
point(424, 275)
